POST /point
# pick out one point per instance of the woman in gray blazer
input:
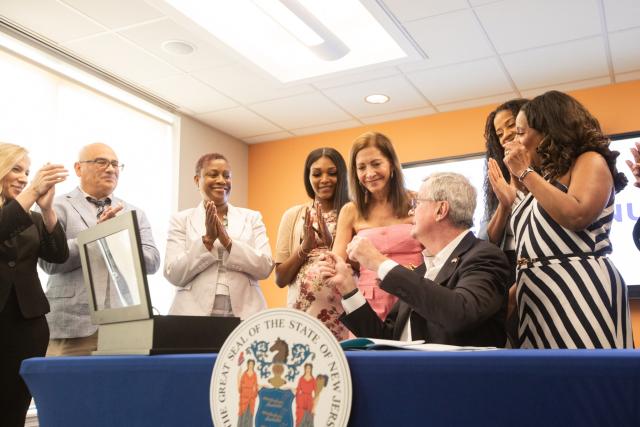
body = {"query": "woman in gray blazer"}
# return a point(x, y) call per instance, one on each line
point(25, 236)
point(217, 252)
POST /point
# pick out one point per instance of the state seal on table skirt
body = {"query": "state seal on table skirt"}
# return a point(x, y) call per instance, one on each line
point(284, 368)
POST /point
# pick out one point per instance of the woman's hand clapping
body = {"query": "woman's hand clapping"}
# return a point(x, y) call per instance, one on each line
point(517, 158)
point(635, 165)
point(44, 181)
point(504, 191)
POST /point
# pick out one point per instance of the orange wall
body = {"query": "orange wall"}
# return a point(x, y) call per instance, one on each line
point(275, 168)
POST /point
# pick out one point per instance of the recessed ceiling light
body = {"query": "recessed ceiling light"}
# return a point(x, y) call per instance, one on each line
point(299, 39)
point(178, 47)
point(377, 98)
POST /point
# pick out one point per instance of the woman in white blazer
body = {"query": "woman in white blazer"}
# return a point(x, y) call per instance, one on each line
point(217, 252)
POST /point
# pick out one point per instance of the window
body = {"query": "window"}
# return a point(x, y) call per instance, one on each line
point(53, 117)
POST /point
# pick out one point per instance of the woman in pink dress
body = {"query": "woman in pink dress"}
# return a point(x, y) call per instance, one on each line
point(307, 231)
point(379, 211)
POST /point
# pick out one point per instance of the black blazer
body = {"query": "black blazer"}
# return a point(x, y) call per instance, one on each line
point(24, 239)
point(464, 305)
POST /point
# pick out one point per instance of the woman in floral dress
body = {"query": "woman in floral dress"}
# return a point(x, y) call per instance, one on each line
point(308, 230)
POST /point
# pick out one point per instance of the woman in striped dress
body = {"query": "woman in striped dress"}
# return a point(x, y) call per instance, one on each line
point(569, 293)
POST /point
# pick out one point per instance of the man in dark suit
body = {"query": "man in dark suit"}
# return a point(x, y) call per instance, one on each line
point(456, 297)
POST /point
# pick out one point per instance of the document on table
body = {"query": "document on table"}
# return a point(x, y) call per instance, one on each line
point(418, 345)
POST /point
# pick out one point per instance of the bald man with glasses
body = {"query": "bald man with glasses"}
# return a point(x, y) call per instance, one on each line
point(92, 202)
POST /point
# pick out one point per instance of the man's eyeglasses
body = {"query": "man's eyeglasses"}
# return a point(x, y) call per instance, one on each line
point(416, 201)
point(104, 163)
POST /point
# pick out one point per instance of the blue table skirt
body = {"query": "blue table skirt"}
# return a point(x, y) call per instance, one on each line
point(390, 388)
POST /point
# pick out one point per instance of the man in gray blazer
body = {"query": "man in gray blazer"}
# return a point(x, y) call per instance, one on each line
point(93, 202)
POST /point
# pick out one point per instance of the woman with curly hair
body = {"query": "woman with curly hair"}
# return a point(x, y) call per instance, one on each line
point(500, 128)
point(500, 193)
point(569, 293)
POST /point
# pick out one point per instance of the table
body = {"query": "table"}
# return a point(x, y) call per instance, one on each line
point(390, 388)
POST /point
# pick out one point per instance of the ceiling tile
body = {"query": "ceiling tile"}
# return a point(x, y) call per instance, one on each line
point(312, 130)
point(239, 122)
point(49, 18)
point(627, 77)
point(478, 102)
point(402, 96)
point(190, 94)
point(115, 13)
point(567, 87)
point(268, 137)
point(462, 81)
point(151, 36)
point(551, 65)
point(243, 85)
point(311, 109)
point(398, 116)
point(475, 3)
point(450, 38)
point(122, 58)
point(524, 24)
point(349, 78)
point(622, 14)
point(625, 50)
point(410, 10)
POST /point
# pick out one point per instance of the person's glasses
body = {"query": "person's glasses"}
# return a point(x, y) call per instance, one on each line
point(416, 201)
point(103, 163)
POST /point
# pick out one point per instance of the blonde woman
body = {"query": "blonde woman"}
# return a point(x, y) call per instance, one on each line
point(25, 236)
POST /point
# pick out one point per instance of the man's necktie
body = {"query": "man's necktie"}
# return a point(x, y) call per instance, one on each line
point(100, 204)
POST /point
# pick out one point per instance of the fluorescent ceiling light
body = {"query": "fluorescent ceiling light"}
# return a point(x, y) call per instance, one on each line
point(305, 27)
point(299, 39)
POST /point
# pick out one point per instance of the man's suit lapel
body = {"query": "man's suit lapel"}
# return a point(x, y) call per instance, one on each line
point(451, 264)
point(78, 202)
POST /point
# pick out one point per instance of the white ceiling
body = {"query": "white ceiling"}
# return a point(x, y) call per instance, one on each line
point(480, 52)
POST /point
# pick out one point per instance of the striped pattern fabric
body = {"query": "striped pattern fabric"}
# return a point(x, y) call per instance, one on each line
point(569, 293)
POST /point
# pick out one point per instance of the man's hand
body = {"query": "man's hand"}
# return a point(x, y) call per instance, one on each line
point(110, 212)
point(365, 253)
point(336, 273)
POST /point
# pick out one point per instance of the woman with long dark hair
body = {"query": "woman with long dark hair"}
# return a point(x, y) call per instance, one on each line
point(308, 230)
point(501, 191)
point(379, 211)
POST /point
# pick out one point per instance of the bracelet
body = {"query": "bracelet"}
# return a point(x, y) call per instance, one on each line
point(525, 172)
point(302, 254)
